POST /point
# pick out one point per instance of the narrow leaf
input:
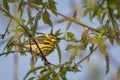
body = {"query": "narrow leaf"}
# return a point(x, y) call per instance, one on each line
point(68, 25)
point(70, 35)
point(9, 43)
point(59, 52)
point(5, 5)
point(46, 18)
point(70, 46)
point(32, 71)
point(102, 47)
point(107, 64)
point(45, 75)
point(52, 5)
point(58, 33)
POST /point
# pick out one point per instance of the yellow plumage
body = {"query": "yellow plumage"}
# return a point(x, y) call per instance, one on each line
point(46, 44)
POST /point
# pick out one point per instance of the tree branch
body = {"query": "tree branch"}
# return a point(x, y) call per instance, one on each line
point(87, 55)
point(75, 21)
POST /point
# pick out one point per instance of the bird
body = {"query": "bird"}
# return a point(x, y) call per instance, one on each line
point(46, 43)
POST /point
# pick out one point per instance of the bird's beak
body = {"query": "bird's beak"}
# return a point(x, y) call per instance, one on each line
point(53, 40)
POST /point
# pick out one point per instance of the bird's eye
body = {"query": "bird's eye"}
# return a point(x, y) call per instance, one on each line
point(52, 37)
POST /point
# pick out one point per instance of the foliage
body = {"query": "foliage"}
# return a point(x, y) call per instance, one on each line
point(106, 11)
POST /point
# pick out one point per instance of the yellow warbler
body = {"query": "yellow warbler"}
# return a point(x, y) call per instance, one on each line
point(46, 43)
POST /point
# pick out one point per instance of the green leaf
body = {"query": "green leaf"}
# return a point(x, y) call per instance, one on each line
point(30, 18)
point(63, 74)
point(46, 18)
point(98, 13)
point(5, 5)
point(75, 68)
point(59, 52)
point(38, 16)
point(52, 6)
point(63, 77)
point(23, 21)
point(58, 33)
point(83, 45)
point(26, 28)
point(102, 47)
point(68, 25)
point(45, 76)
point(70, 46)
point(63, 70)
point(21, 8)
point(32, 78)
point(84, 35)
point(86, 12)
point(73, 55)
point(9, 44)
point(70, 35)
point(20, 30)
point(107, 63)
point(103, 17)
point(112, 5)
point(43, 70)
point(111, 40)
point(32, 71)
point(51, 31)
point(91, 48)
point(35, 24)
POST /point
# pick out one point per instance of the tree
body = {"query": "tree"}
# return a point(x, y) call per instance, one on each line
point(20, 27)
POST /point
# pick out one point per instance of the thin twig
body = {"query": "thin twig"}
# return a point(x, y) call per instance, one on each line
point(87, 55)
point(7, 28)
point(6, 53)
point(69, 40)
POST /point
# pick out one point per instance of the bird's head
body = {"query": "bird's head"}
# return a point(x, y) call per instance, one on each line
point(51, 37)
